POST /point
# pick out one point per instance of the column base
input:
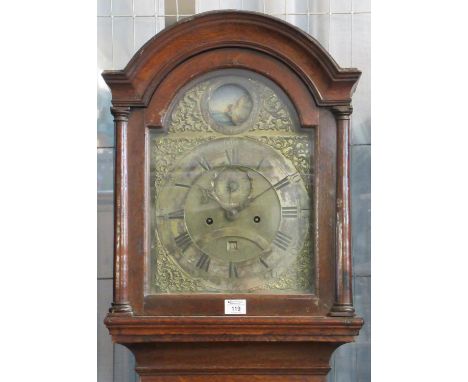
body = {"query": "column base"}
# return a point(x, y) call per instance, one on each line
point(342, 310)
point(121, 309)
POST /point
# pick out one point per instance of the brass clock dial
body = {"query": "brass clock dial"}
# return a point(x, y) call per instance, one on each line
point(231, 190)
point(233, 214)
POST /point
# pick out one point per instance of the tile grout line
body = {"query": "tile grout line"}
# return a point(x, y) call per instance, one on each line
point(133, 23)
point(271, 14)
point(112, 33)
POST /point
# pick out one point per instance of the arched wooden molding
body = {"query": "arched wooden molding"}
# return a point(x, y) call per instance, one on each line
point(326, 81)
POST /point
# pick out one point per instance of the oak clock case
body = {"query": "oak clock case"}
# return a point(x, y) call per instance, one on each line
point(231, 191)
point(232, 182)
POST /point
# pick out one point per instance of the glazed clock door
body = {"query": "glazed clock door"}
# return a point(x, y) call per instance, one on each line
point(230, 180)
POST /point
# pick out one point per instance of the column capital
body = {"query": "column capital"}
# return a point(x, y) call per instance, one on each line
point(342, 112)
point(120, 113)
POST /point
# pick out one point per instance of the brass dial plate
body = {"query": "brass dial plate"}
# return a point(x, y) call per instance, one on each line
point(231, 208)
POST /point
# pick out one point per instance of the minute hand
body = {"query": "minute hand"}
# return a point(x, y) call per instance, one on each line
point(283, 182)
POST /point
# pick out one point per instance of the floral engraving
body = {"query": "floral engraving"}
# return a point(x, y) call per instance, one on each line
point(187, 115)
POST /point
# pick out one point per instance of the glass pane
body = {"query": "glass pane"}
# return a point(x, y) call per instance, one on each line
point(231, 191)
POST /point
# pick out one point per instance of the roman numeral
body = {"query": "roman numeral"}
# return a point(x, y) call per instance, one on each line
point(305, 212)
point(232, 271)
point(179, 214)
point(282, 183)
point(289, 212)
point(282, 240)
point(182, 185)
point(203, 262)
point(232, 155)
point(259, 165)
point(183, 241)
point(263, 263)
point(204, 163)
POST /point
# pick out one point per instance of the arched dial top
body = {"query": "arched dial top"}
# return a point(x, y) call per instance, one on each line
point(234, 214)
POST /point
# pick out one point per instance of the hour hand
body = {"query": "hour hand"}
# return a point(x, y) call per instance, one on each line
point(208, 194)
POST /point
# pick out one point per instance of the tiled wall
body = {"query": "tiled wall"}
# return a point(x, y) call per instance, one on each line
point(343, 28)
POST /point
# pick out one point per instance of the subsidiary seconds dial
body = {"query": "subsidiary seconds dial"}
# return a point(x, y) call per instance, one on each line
point(234, 214)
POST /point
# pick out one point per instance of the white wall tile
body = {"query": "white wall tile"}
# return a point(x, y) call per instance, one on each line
point(105, 234)
point(170, 7)
point(340, 6)
point(345, 363)
point(103, 7)
point(319, 6)
point(297, 6)
point(145, 28)
point(275, 6)
point(186, 7)
point(363, 362)
point(105, 170)
point(161, 8)
point(105, 121)
point(124, 365)
point(105, 350)
point(122, 7)
point(319, 28)
point(253, 5)
point(340, 39)
point(123, 41)
point(281, 17)
point(361, 59)
point(104, 43)
point(161, 24)
point(362, 41)
point(300, 21)
point(144, 7)
point(207, 5)
point(231, 4)
point(361, 209)
point(362, 304)
point(170, 20)
point(361, 5)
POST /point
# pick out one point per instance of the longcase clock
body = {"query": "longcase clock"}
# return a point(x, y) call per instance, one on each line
point(232, 233)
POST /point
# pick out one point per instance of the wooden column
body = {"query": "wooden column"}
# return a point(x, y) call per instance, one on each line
point(343, 305)
point(121, 304)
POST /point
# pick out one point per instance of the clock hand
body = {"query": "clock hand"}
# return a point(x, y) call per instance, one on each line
point(283, 182)
point(250, 200)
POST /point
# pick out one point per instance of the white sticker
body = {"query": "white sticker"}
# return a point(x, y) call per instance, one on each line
point(235, 306)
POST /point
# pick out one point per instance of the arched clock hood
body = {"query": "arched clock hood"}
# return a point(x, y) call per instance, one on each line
point(281, 336)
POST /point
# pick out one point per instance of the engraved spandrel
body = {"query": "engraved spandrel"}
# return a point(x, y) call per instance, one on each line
point(187, 115)
point(230, 105)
